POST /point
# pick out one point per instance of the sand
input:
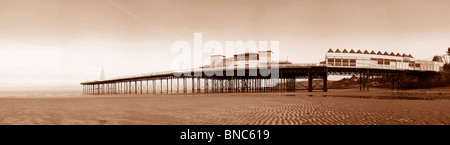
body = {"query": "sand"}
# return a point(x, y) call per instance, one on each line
point(295, 108)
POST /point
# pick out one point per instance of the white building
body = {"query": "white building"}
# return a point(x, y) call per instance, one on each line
point(216, 60)
point(248, 59)
point(265, 57)
point(380, 60)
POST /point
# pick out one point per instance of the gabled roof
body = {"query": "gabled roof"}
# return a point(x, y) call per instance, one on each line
point(330, 51)
point(367, 52)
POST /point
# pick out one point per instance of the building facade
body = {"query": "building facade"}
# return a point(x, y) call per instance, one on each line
point(248, 59)
point(378, 59)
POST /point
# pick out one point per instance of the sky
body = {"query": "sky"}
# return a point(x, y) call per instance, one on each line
point(60, 43)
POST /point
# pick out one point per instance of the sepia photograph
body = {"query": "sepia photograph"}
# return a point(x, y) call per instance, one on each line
point(224, 62)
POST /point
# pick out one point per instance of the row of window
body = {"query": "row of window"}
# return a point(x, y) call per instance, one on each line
point(352, 62)
point(373, 59)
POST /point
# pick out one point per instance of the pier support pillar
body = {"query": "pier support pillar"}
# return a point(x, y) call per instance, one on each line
point(193, 85)
point(184, 85)
point(368, 80)
point(198, 85)
point(360, 81)
point(310, 81)
point(325, 80)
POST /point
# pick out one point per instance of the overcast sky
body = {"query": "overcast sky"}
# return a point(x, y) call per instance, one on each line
point(60, 43)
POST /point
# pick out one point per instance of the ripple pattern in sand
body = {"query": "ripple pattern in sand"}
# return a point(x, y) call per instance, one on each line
point(251, 109)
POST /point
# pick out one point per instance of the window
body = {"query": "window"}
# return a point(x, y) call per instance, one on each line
point(331, 62)
point(380, 61)
point(338, 62)
point(352, 62)
point(345, 62)
point(387, 62)
point(253, 57)
point(417, 65)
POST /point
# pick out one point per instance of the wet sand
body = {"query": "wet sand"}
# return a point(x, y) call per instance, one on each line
point(298, 108)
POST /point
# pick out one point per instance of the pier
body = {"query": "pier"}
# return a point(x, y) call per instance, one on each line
point(286, 76)
point(256, 72)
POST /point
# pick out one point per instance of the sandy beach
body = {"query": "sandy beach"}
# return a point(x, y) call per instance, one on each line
point(335, 107)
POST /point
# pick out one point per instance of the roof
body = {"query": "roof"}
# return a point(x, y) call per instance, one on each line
point(438, 59)
point(265, 51)
point(217, 55)
point(249, 53)
point(330, 50)
point(367, 52)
